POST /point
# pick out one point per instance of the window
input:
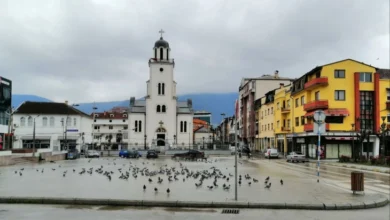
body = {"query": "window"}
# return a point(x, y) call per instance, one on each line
point(296, 121)
point(288, 123)
point(159, 88)
point(74, 121)
point(51, 122)
point(44, 121)
point(317, 95)
point(162, 88)
point(155, 53)
point(302, 100)
point(97, 127)
point(125, 127)
point(136, 126)
point(339, 74)
point(277, 124)
point(288, 103)
point(388, 94)
point(365, 77)
point(272, 126)
point(388, 118)
point(185, 127)
point(272, 110)
point(296, 102)
point(167, 53)
point(29, 121)
point(267, 126)
point(110, 127)
point(339, 95)
point(268, 111)
point(303, 120)
point(68, 122)
point(161, 53)
point(367, 110)
point(334, 119)
point(158, 108)
point(278, 105)
point(139, 126)
point(163, 109)
point(22, 121)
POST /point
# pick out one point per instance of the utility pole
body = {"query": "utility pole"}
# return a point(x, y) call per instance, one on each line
point(319, 120)
point(235, 159)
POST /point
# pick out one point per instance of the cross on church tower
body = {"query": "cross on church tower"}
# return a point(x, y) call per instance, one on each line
point(161, 32)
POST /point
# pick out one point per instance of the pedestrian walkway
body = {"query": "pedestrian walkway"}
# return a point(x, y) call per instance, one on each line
point(378, 169)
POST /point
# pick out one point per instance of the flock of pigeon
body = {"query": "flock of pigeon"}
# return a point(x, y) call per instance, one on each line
point(171, 173)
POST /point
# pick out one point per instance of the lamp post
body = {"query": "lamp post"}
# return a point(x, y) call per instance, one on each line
point(34, 135)
point(210, 143)
point(203, 143)
point(145, 136)
point(174, 140)
point(353, 140)
point(223, 128)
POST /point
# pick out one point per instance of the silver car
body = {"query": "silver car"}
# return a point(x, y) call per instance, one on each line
point(296, 157)
point(92, 153)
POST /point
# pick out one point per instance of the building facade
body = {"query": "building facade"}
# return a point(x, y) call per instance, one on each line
point(5, 113)
point(160, 120)
point(57, 126)
point(354, 97)
point(250, 90)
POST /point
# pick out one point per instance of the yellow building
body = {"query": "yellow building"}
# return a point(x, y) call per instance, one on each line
point(347, 91)
point(282, 117)
point(266, 121)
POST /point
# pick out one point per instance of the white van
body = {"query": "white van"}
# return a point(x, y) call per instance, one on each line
point(272, 152)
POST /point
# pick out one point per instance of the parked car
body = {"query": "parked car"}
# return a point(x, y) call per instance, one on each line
point(129, 153)
point(271, 153)
point(190, 154)
point(72, 154)
point(92, 154)
point(296, 157)
point(151, 154)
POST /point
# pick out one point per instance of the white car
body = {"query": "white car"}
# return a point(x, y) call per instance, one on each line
point(272, 153)
point(296, 157)
point(92, 153)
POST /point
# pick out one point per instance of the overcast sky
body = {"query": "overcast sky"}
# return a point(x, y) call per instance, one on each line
point(80, 50)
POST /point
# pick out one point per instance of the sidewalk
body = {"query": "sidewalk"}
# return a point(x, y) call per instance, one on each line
point(355, 166)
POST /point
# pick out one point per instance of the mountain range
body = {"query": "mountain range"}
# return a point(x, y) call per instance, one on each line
point(215, 103)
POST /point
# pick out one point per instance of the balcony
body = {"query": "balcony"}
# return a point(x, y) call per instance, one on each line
point(316, 104)
point(285, 110)
point(310, 127)
point(286, 129)
point(315, 83)
point(388, 105)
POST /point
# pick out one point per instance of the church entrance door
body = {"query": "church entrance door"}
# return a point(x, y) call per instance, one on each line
point(160, 140)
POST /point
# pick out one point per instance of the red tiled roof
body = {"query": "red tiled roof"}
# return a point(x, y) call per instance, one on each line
point(109, 115)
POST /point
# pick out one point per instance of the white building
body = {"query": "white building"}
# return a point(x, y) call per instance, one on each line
point(110, 130)
point(55, 125)
point(5, 112)
point(160, 120)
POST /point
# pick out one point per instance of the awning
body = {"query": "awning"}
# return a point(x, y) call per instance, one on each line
point(331, 112)
point(341, 138)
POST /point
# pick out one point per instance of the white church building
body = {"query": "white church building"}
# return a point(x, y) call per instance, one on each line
point(160, 120)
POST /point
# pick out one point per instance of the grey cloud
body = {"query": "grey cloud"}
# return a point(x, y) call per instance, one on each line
point(98, 50)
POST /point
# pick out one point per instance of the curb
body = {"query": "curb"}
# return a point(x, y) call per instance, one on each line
point(377, 170)
point(192, 204)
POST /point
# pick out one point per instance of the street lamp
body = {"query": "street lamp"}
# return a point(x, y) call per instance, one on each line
point(34, 135)
point(174, 139)
point(203, 143)
point(353, 140)
point(223, 128)
point(145, 136)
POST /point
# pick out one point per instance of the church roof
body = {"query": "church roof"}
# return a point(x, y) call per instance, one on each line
point(161, 43)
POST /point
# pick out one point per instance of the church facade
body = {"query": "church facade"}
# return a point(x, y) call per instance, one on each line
point(160, 120)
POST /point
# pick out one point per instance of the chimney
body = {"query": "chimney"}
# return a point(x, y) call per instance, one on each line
point(276, 74)
point(66, 102)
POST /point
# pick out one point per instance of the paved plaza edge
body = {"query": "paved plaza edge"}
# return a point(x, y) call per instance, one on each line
point(193, 204)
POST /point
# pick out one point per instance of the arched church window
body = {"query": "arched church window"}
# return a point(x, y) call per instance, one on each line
point(167, 53)
point(159, 88)
point(181, 126)
point(185, 126)
point(158, 108)
point(162, 88)
point(155, 53)
point(161, 54)
point(164, 108)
